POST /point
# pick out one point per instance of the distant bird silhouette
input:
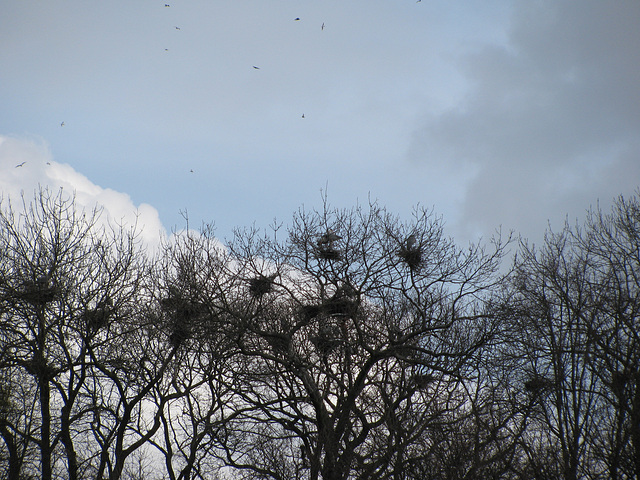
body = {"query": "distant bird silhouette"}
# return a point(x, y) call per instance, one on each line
point(167, 5)
point(328, 238)
point(303, 115)
point(166, 49)
point(62, 124)
point(48, 163)
point(257, 68)
point(20, 164)
point(177, 28)
point(322, 27)
point(297, 18)
point(191, 170)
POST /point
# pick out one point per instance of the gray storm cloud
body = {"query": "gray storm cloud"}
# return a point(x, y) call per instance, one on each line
point(551, 123)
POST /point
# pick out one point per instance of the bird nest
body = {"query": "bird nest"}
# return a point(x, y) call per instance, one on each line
point(261, 285)
point(309, 312)
point(423, 380)
point(39, 368)
point(328, 253)
point(344, 307)
point(279, 342)
point(328, 339)
point(6, 405)
point(537, 384)
point(96, 318)
point(619, 380)
point(412, 256)
point(184, 314)
point(335, 306)
point(181, 331)
point(38, 292)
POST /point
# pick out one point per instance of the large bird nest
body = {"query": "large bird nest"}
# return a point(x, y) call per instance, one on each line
point(537, 384)
point(328, 339)
point(340, 306)
point(261, 285)
point(412, 256)
point(279, 342)
point(179, 333)
point(98, 317)
point(39, 292)
point(328, 252)
point(336, 306)
point(6, 405)
point(422, 380)
point(184, 314)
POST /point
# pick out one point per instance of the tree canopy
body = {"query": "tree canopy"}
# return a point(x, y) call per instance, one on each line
point(352, 344)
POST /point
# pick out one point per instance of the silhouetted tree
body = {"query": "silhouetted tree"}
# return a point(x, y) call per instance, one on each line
point(351, 346)
point(611, 243)
point(188, 290)
point(351, 350)
point(576, 326)
point(67, 281)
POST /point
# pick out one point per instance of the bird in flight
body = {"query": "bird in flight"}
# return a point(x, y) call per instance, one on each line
point(20, 164)
point(257, 68)
point(303, 115)
point(177, 28)
point(167, 5)
point(62, 124)
point(322, 27)
point(297, 18)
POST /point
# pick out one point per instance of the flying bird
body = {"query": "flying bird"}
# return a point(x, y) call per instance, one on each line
point(303, 115)
point(20, 164)
point(257, 68)
point(177, 28)
point(322, 27)
point(297, 18)
point(62, 124)
point(167, 5)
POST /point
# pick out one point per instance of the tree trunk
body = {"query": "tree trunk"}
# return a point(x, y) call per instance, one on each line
point(635, 427)
point(13, 471)
point(72, 459)
point(45, 428)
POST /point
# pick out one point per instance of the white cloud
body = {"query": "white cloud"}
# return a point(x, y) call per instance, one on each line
point(38, 169)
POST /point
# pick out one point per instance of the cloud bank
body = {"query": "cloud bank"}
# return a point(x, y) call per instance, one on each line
point(551, 122)
point(26, 164)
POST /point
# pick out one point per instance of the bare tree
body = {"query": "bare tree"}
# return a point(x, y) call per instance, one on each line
point(555, 346)
point(345, 341)
point(611, 242)
point(18, 424)
point(351, 346)
point(65, 281)
point(187, 294)
point(576, 327)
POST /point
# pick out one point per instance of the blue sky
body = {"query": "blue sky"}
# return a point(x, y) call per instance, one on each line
point(496, 113)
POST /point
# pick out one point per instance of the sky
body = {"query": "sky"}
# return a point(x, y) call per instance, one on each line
point(497, 114)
